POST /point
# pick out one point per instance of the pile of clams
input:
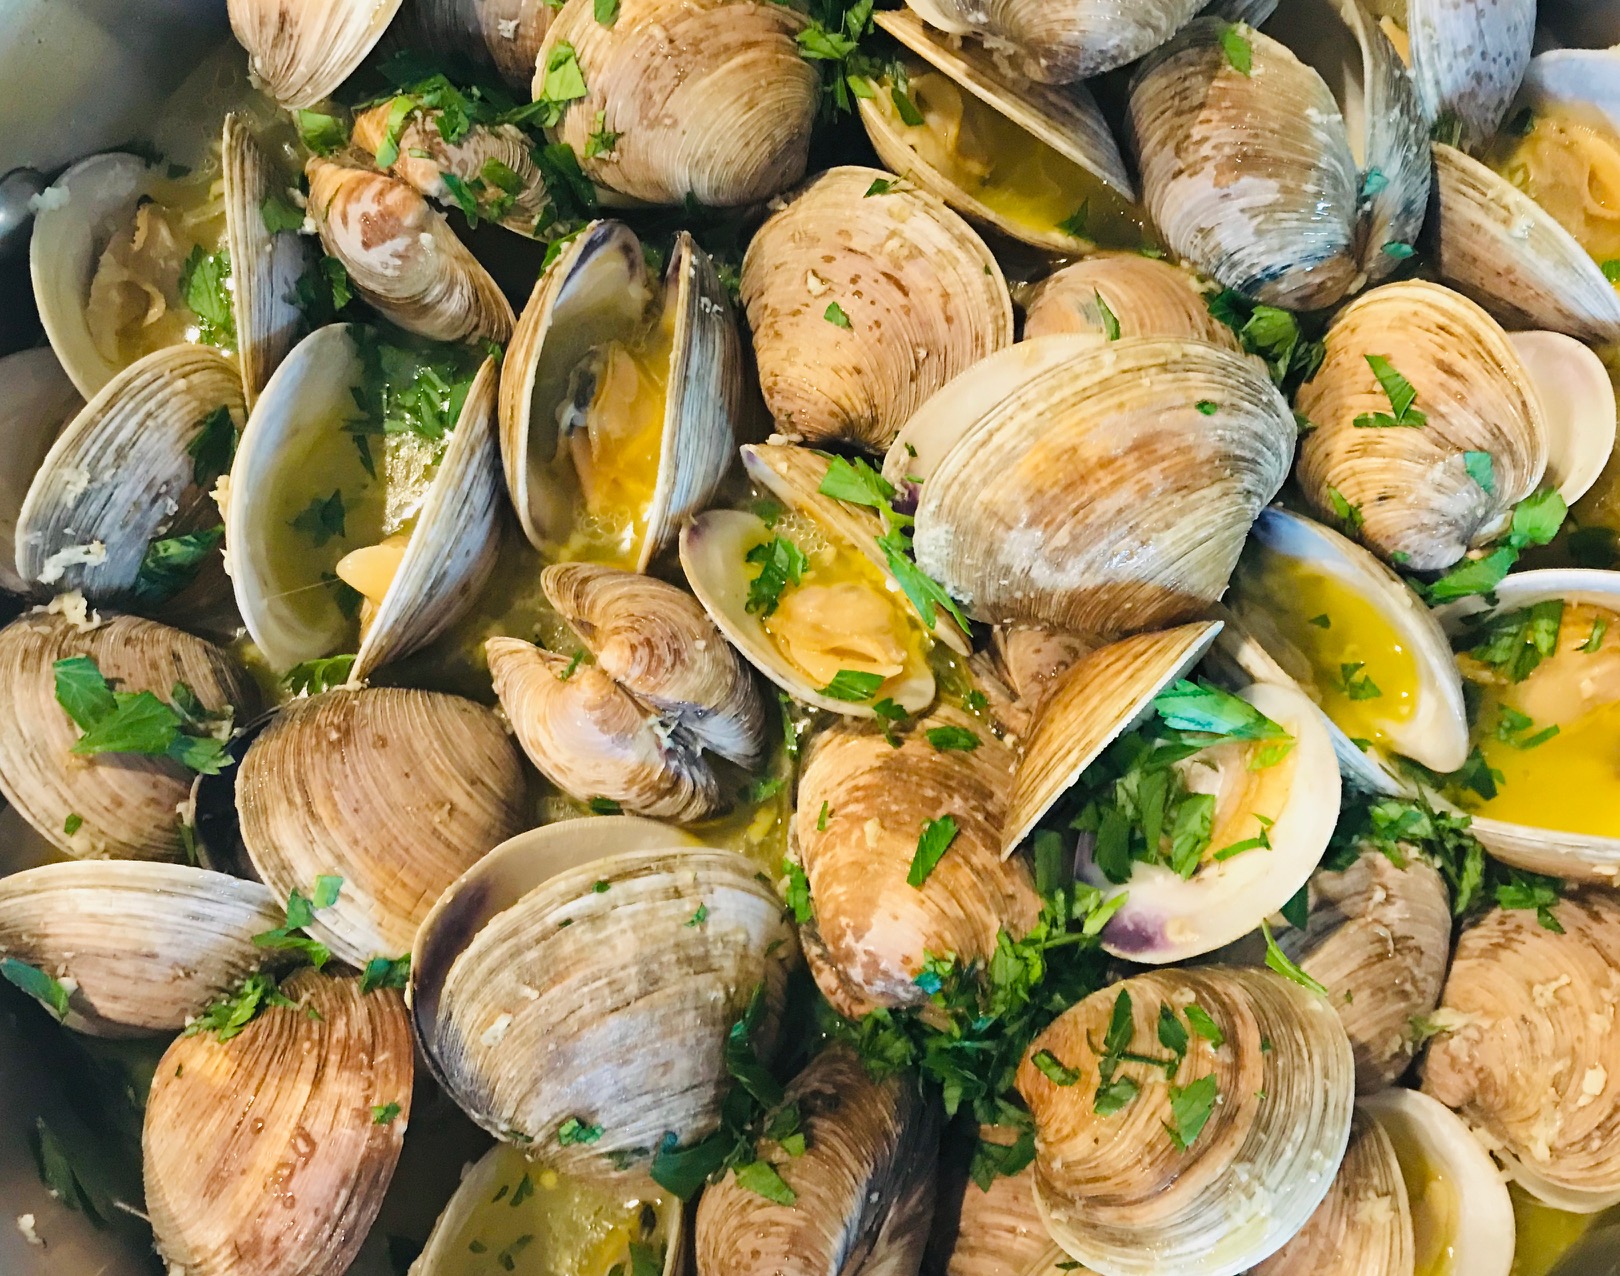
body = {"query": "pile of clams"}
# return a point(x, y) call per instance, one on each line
point(1047, 706)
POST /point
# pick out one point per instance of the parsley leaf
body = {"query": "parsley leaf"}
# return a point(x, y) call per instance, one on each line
point(37, 984)
point(1398, 390)
point(213, 449)
point(856, 482)
point(386, 972)
point(1482, 469)
point(945, 739)
point(834, 314)
point(574, 1131)
point(1053, 1070)
point(170, 564)
point(798, 886)
point(1235, 46)
point(934, 841)
point(853, 685)
point(227, 1016)
point(280, 214)
point(781, 564)
point(1190, 1108)
point(1201, 707)
point(205, 288)
point(1515, 642)
point(311, 677)
point(1280, 962)
point(761, 1178)
point(1110, 321)
point(323, 134)
point(322, 519)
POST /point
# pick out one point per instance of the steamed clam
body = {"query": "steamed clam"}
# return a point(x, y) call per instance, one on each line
point(299, 51)
point(1138, 295)
point(39, 400)
point(505, 33)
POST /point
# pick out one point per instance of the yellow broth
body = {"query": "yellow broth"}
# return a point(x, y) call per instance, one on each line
point(1569, 163)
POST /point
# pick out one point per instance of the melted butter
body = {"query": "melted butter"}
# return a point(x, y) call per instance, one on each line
point(611, 457)
point(574, 1227)
point(1571, 782)
point(1009, 171)
point(1285, 602)
point(1435, 1203)
point(1569, 163)
point(1543, 1233)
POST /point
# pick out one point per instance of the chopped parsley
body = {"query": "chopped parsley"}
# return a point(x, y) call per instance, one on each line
point(1280, 962)
point(946, 739)
point(853, 684)
point(49, 992)
point(573, 1132)
point(291, 936)
point(1076, 222)
point(1190, 1108)
point(699, 917)
point(205, 288)
point(1398, 390)
point(1235, 47)
point(932, 843)
point(280, 214)
point(311, 677)
point(322, 519)
point(1517, 730)
point(213, 448)
point(227, 1016)
point(323, 134)
point(1398, 250)
point(73, 823)
point(1482, 469)
point(1515, 642)
point(386, 972)
point(1272, 334)
point(172, 563)
point(1355, 684)
point(602, 139)
point(832, 39)
point(798, 885)
point(1345, 511)
point(834, 314)
point(907, 110)
point(606, 12)
point(138, 721)
point(1053, 1070)
point(1536, 520)
point(781, 564)
point(563, 82)
point(1110, 321)
point(384, 1113)
point(1207, 407)
point(1594, 640)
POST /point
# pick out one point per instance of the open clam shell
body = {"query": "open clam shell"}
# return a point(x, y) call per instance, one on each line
point(1577, 398)
point(1467, 60)
point(396, 791)
point(591, 998)
point(1146, 297)
point(402, 256)
point(502, 33)
point(1582, 856)
point(454, 537)
point(577, 449)
point(121, 475)
point(1296, 574)
point(1115, 1191)
point(862, 307)
point(127, 805)
point(142, 947)
point(1062, 132)
point(36, 401)
point(1098, 497)
point(300, 51)
point(268, 1154)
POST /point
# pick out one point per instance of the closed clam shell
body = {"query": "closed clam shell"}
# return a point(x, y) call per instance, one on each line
point(1097, 498)
point(865, 1183)
point(265, 1155)
point(999, 1229)
point(592, 999)
point(396, 791)
point(403, 257)
point(141, 947)
point(1529, 1053)
point(127, 804)
point(921, 294)
point(1467, 59)
point(709, 99)
point(1114, 1190)
point(1377, 940)
point(300, 51)
point(1364, 1226)
point(1147, 298)
point(36, 400)
point(502, 33)
point(873, 930)
point(1412, 487)
point(1031, 660)
point(1497, 245)
point(120, 475)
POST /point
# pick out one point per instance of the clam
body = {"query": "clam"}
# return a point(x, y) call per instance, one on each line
point(142, 948)
point(1414, 485)
point(270, 1153)
point(1145, 1185)
point(36, 401)
point(1034, 161)
point(396, 791)
point(1333, 110)
point(631, 726)
point(505, 1197)
point(1000, 1232)
point(126, 805)
point(504, 33)
point(402, 256)
point(1377, 940)
point(300, 51)
point(1275, 799)
point(1578, 399)
point(1143, 296)
point(1547, 734)
point(430, 164)
point(1107, 493)
point(1527, 1052)
point(620, 402)
point(413, 527)
point(1062, 43)
point(562, 983)
point(863, 808)
point(838, 619)
point(1031, 660)
point(123, 473)
point(703, 99)
point(1311, 609)
point(1364, 1226)
point(117, 240)
point(861, 307)
point(865, 1183)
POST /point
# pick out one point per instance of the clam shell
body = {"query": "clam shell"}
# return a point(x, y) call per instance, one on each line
point(36, 401)
point(870, 1149)
point(403, 257)
point(1496, 244)
point(1097, 498)
point(1377, 939)
point(874, 931)
point(922, 295)
point(710, 98)
point(1468, 60)
point(120, 476)
point(597, 291)
point(1147, 298)
point(502, 33)
point(1577, 397)
point(1527, 1051)
point(142, 947)
point(1000, 1232)
point(1412, 486)
point(396, 791)
point(128, 804)
point(1115, 1192)
point(300, 51)
point(263, 1154)
point(617, 1018)
point(452, 546)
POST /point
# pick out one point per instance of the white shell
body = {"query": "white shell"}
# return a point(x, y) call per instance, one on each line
point(36, 400)
point(1577, 398)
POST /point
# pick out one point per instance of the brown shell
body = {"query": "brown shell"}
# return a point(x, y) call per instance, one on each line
point(1148, 298)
